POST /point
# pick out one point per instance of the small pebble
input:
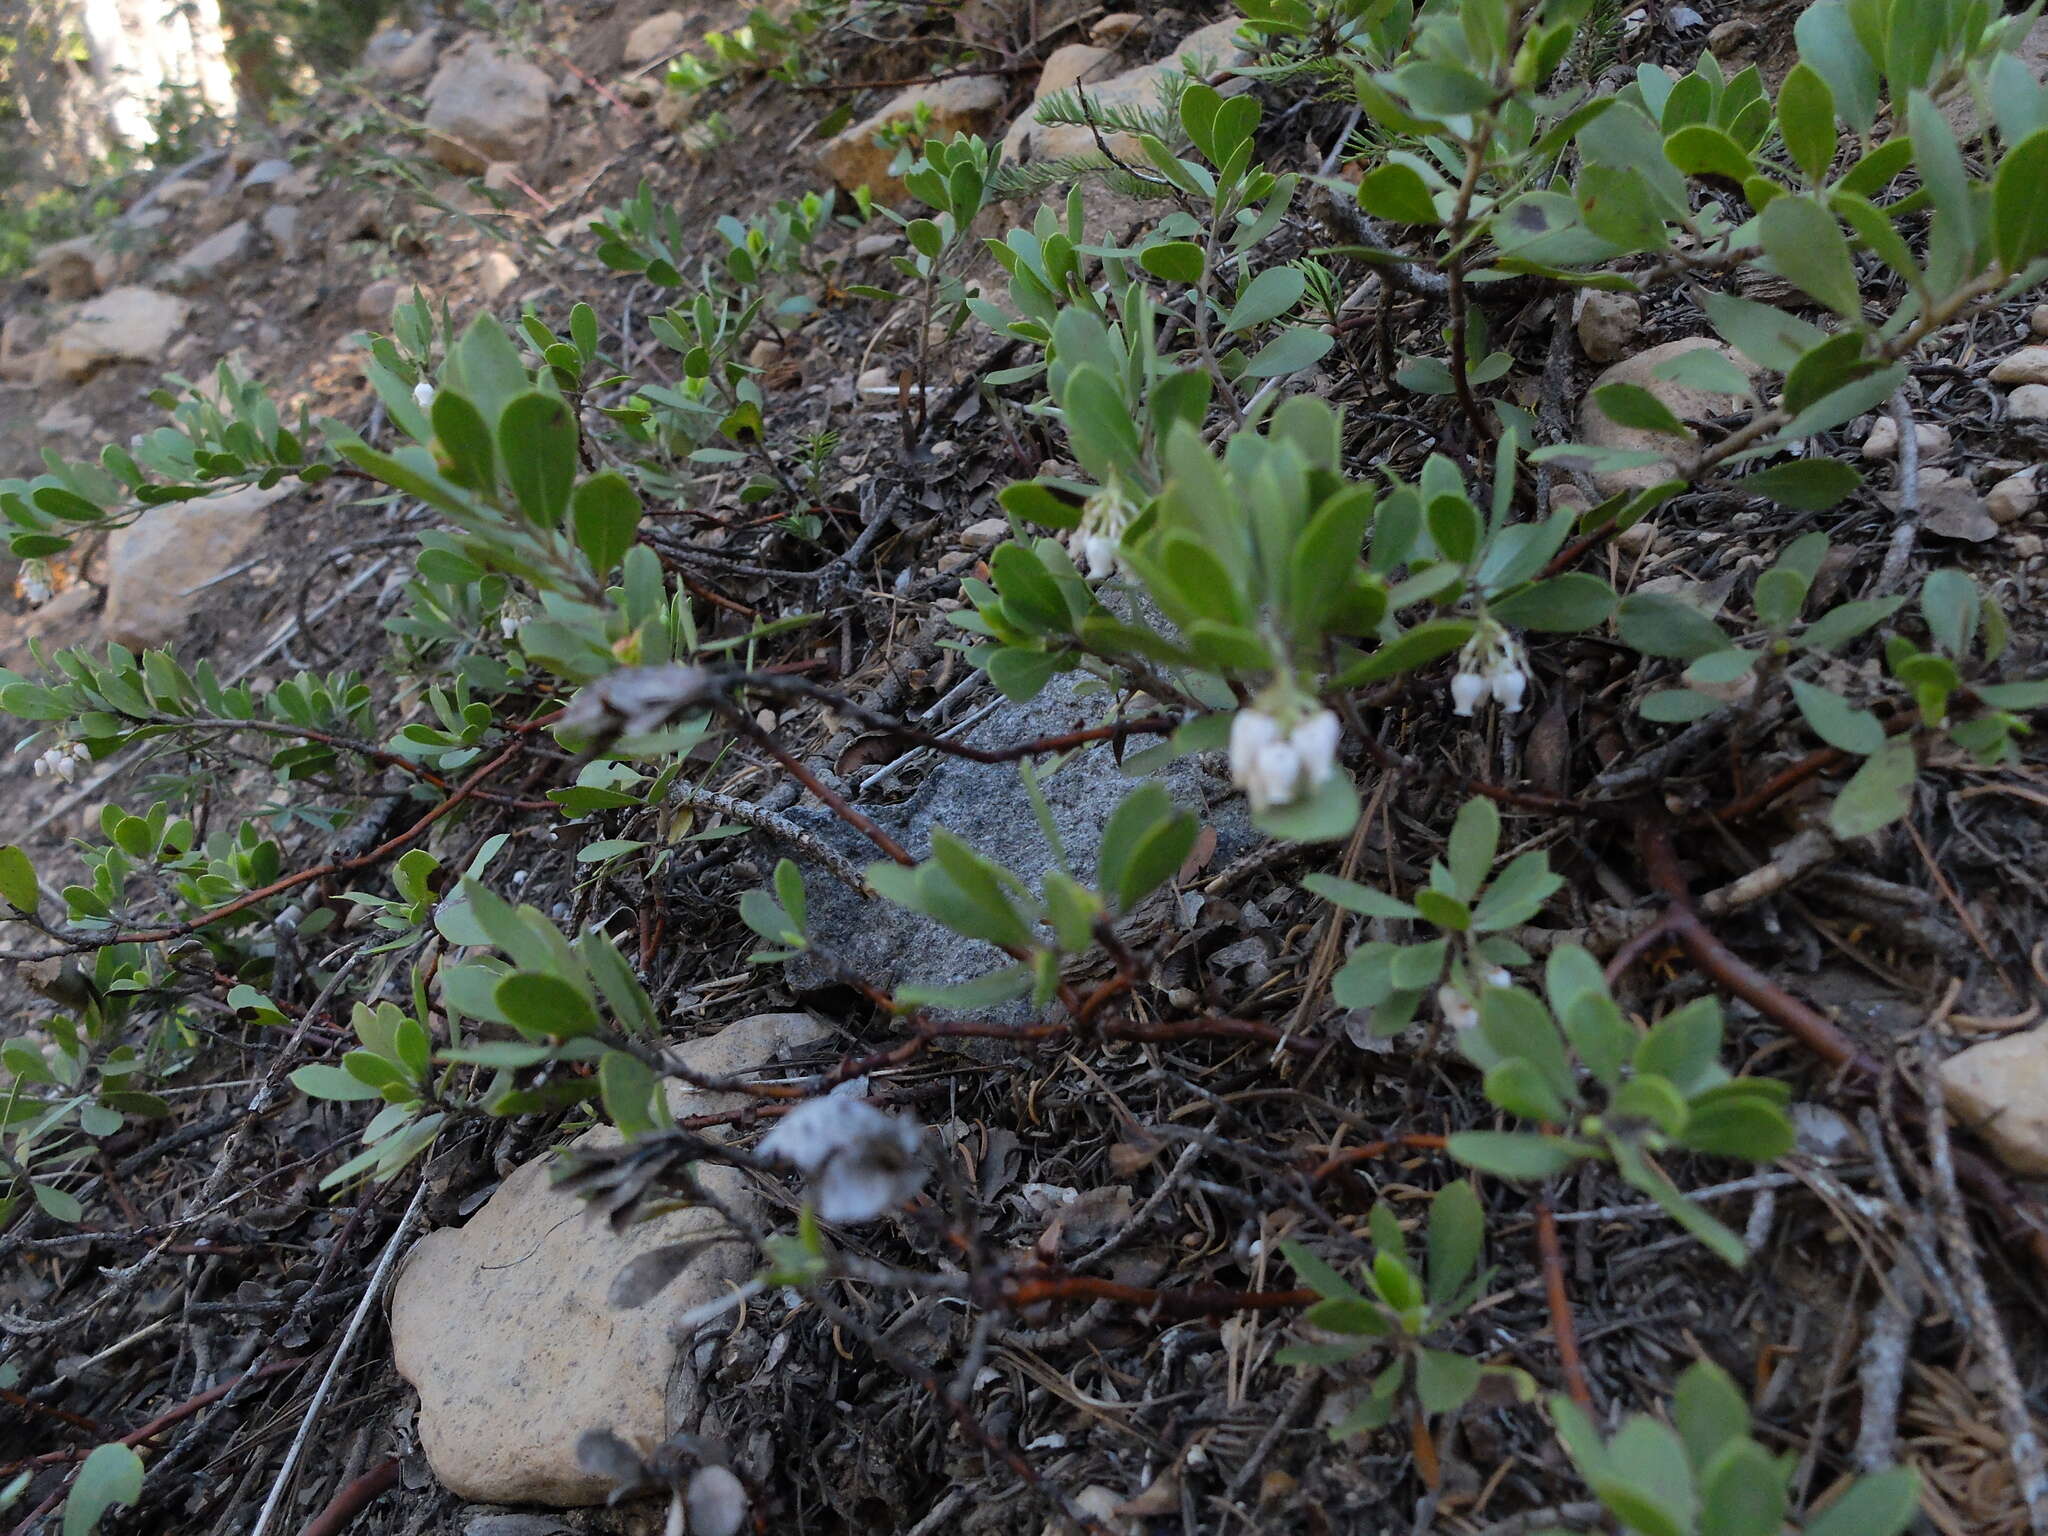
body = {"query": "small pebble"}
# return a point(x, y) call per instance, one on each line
point(1607, 324)
point(2029, 365)
point(2037, 322)
point(1883, 442)
point(2028, 403)
point(2013, 497)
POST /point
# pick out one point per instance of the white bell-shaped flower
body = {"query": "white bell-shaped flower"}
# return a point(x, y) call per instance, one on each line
point(1508, 687)
point(860, 1161)
point(423, 394)
point(1316, 738)
point(1251, 731)
point(1097, 539)
point(1468, 691)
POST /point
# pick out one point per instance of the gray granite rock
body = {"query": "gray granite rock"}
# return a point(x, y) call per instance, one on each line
point(986, 805)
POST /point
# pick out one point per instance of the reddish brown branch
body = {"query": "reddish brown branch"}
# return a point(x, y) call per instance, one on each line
point(462, 792)
point(833, 801)
point(1560, 1303)
point(353, 1500)
point(1730, 971)
point(1350, 1157)
point(154, 1427)
point(2019, 1218)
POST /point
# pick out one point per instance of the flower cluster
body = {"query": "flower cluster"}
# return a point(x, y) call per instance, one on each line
point(64, 761)
point(33, 582)
point(512, 616)
point(1097, 540)
point(1279, 754)
point(1490, 666)
point(860, 1161)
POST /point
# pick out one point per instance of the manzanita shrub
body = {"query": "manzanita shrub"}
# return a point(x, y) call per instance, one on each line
point(1211, 571)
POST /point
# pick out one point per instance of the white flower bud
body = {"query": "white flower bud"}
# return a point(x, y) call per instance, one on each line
point(1099, 554)
point(1456, 1007)
point(1508, 688)
point(1316, 740)
point(1499, 977)
point(423, 394)
point(1467, 690)
point(1252, 730)
point(1276, 776)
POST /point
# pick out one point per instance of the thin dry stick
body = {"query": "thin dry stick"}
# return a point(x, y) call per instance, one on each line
point(340, 1358)
point(1901, 548)
point(2029, 1465)
point(1881, 1373)
point(777, 826)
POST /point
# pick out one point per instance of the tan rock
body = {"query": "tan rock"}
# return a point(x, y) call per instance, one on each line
point(2037, 320)
point(398, 56)
point(2013, 497)
point(65, 418)
point(505, 1327)
point(125, 325)
point(280, 224)
point(376, 301)
point(964, 104)
point(1010, 23)
point(494, 274)
point(68, 269)
point(159, 567)
point(1731, 37)
point(211, 259)
point(182, 193)
point(1684, 402)
point(1114, 28)
point(21, 356)
point(656, 38)
point(1999, 1089)
point(2029, 365)
point(1139, 88)
point(265, 177)
point(1883, 441)
point(485, 104)
point(1607, 324)
point(2028, 403)
point(986, 534)
point(1075, 64)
